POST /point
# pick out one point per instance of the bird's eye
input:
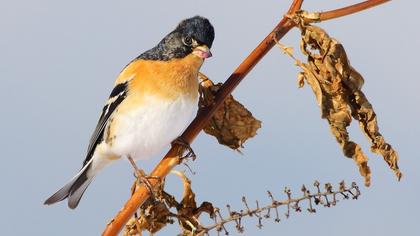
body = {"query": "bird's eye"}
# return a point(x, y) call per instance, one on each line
point(187, 41)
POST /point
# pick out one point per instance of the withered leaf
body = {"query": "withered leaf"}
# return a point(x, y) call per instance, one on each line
point(337, 87)
point(232, 124)
point(153, 215)
point(156, 213)
point(188, 212)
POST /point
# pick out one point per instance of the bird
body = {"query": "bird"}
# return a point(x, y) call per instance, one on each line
point(153, 100)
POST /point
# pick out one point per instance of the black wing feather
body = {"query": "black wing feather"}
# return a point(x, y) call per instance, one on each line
point(118, 94)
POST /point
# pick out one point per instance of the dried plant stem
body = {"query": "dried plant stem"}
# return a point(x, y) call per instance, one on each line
point(172, 158)
point(236, 216)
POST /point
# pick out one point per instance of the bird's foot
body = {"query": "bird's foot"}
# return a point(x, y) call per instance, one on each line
point(186, 146)
point(143, 178)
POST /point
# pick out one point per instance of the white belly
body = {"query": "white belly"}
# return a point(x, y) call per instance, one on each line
point(148, 129)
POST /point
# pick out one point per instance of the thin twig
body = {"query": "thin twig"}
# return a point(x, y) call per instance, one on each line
point(220, 222)
point(328, 15)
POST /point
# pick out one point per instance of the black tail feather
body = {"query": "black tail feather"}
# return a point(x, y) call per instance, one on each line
point(73, 190)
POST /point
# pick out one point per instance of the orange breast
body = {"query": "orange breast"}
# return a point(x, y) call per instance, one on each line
point(166, 79)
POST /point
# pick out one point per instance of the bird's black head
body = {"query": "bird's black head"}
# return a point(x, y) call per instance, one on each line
point(197, 28)
point(192, 35)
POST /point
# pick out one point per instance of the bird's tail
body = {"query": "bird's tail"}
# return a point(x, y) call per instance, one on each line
point(75, 188)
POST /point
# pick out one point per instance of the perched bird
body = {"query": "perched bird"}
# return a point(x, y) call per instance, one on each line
point(153, 100)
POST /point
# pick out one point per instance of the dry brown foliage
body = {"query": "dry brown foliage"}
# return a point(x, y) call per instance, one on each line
point(337, 87)
point(232, 124)
point(156, 213)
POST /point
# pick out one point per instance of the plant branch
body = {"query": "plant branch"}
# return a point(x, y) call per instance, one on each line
point(172, 158)
point(326, 198)
point(328, 15)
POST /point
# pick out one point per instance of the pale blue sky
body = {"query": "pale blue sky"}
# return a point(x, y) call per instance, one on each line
point(59, 59)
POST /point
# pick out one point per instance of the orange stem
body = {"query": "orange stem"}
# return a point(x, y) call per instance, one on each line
point(328, 15)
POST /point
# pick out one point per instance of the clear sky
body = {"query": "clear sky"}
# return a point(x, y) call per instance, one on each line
point(59, 59)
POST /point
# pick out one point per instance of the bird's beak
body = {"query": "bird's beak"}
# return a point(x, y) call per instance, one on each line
point(202, 52)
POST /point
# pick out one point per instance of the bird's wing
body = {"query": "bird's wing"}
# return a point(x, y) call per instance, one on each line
point(118, 94)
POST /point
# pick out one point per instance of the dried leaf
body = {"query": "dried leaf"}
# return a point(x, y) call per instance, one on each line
point(188, 212)
point(232, 124)
point(337, 87)
point(156, 213)
point(154, 217)
point(313, 82)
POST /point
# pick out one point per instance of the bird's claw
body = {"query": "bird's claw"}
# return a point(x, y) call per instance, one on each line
point(186, 146)
point(143, 178)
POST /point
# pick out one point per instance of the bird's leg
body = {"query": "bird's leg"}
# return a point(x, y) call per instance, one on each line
point(142, 177)
point(180, 141)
